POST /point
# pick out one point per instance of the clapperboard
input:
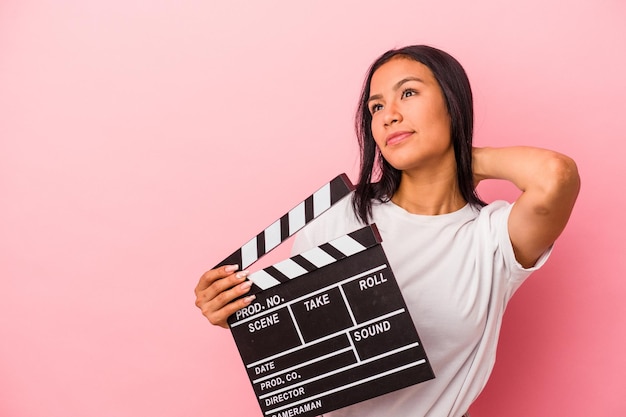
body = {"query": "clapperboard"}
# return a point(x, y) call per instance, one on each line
point(329, 327)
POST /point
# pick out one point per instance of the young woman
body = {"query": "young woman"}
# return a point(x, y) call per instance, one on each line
point(457, 260)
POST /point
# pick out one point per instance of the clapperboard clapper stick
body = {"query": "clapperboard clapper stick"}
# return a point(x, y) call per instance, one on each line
point(289, 223)
point(329, 327)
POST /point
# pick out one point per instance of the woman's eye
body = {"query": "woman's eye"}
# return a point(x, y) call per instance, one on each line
point(375, 108)
point(408, 93)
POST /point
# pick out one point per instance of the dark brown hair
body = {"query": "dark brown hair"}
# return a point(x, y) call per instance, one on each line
point(457, 92)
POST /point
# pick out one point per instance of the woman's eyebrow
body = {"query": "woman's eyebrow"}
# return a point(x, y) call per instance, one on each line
point(396, 87)
point(406, 80)
point(374, 97)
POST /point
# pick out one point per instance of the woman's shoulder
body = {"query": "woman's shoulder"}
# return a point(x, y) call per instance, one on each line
point(494, 211)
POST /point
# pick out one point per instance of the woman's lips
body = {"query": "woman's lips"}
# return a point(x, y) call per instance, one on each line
point(397, 137)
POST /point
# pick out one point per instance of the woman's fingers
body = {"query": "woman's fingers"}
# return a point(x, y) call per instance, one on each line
point(209, 277)
point(219, 293)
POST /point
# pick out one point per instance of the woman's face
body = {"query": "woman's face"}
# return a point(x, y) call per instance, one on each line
point(410, 121)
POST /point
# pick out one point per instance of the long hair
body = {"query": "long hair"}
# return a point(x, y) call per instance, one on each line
point(457, 93)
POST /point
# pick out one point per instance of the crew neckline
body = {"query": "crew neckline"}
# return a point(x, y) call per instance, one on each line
point(467, 211)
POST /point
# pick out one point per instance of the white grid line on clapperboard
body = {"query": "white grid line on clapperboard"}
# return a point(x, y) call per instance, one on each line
point(318, 359)
point(345, 368)
point(356, 352)
point(353, 384)
point(293, 319)
point(308, 295)
point(303, 364)
point(345, 300)
point(323, 339)
point(354, 324)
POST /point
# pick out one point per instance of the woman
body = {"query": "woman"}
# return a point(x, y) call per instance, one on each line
point(457, 260)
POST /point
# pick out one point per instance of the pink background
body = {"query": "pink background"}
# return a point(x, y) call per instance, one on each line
point(142, 141)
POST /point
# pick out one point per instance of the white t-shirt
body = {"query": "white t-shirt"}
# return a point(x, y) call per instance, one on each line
point(456, 272)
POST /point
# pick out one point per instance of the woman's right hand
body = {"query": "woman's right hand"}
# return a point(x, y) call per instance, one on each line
point(218, 293)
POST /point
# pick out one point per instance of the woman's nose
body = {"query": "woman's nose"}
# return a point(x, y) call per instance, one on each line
point(392, 115)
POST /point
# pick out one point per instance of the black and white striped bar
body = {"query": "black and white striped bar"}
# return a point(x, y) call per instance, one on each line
point(340, 248)
point(290, 223)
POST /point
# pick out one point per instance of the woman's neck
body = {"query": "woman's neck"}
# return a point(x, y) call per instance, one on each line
point(429, 194)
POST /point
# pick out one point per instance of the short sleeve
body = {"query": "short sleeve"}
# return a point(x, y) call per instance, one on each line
point(496, 216)
point(301, 243)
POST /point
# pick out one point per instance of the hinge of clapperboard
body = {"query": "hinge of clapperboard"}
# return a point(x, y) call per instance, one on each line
point(293, 221)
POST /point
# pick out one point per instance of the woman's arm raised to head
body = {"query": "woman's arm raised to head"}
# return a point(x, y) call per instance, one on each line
point(549, 183)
